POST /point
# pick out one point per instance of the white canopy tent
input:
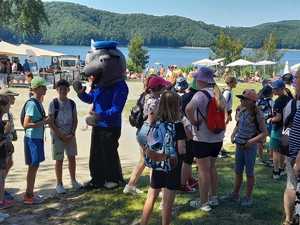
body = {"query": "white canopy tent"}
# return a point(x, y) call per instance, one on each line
point(205, 62)
point(240, 62)
point(10, 49)
point(265, 63)
point(38, 51)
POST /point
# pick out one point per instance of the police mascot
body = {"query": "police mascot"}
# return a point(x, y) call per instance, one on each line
point(106, 63)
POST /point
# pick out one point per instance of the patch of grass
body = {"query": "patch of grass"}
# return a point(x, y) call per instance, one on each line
point(113, 207)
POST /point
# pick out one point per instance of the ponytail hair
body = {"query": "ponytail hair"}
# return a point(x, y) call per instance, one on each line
point(288, 92)
point(220, 100)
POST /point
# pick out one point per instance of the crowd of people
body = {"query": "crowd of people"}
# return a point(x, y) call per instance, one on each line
point(178, 123)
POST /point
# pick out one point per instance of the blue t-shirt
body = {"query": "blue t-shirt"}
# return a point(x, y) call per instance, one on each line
point(33, 112)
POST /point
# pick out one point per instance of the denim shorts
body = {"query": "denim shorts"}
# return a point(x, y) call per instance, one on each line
point(34, 151)
point(245, 158)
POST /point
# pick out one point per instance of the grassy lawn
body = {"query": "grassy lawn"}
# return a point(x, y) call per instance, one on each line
point(113, 207)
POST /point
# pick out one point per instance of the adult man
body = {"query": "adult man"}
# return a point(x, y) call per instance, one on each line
point(293, 161)
point(108, 65)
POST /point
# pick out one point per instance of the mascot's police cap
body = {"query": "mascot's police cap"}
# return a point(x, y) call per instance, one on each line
point(103, 44)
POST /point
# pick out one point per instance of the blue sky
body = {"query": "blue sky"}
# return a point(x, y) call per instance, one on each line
point(218, 12)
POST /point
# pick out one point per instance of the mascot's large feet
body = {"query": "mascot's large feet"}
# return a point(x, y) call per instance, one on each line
point(91, 186)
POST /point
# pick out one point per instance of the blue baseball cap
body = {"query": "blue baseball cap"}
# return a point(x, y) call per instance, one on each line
point(278, 84)
point(104, 44)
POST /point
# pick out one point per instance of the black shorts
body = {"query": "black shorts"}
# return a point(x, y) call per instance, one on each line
point(203, 149)
point(188, 157)
point(170, 180)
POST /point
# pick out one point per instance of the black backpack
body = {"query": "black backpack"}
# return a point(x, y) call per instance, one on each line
point(39, 107)
point(56, 107)
point(136, 117)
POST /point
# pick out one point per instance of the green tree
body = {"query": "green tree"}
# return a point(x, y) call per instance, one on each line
point(25, 16)
point(227, 47)
point(138, 56)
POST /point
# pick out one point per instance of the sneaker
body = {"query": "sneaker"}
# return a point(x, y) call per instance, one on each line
point(91, 186)
point(60, 189)
point(33, 200)
point(76, 185)
point(203, 207)
point(8, 196)
point(187, 188)
point(132, 190)
point(231, 197)
point(276, 175)
point(110, 185)
point(246, 202)
point(213, 201)
point(6, 204)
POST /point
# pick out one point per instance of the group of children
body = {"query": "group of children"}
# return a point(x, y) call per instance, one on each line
point(181, 127)
point(61, 118)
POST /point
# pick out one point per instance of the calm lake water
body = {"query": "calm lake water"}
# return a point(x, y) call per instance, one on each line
point(165, 56)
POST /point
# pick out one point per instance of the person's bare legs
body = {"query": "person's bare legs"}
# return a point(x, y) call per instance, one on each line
point(168, 200)
point(72, 167)
point(186, 173)
point(237, 184)
point(148, 206)
point(58, 171)
point(250, 185)
point(31, 175)
point(289, 198)
point(214, 177)
point(137, 172)
point(276, 161)
point(261, 151)
point(2, 184)
point(204, 178)
point(9, 165)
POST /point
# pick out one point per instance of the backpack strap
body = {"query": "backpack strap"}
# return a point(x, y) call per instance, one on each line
point(56, 107)
point(198, 110)
point(39, 107)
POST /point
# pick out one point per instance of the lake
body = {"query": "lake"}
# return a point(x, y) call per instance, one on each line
point(165, 56)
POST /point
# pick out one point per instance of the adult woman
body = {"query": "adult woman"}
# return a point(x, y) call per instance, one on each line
point(206, 144)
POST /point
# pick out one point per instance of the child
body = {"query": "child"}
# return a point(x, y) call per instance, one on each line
point(12, 136)
point(154, 86)
point(231, 83)
point(249, 131)
point(5, 148)
point(34, 122)
point(277, 125)
point(265, 103)
point(63, 115)
point(29, 78)
point(167, 180)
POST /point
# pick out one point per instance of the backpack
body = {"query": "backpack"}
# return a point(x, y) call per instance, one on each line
point(56, 107)
point(136, 117)
point(215, 119)
point(161, 140)
point(39, 107)
point(265, 107)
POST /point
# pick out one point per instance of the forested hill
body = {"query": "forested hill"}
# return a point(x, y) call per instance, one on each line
point(76, 24)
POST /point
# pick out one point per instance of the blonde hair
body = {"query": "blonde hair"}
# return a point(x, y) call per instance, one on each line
point(169, 107)
point(220, 100)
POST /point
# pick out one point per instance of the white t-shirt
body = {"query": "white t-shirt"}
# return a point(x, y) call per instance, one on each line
point(65, 116)
point(201, 133)
point(228, 99)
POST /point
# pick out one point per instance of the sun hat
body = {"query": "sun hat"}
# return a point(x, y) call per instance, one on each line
point(155, 82)
point(249, 94)
point(7, 92)
point(278, 84)
point(181, 84)
point(205, 74)
point(38, 82)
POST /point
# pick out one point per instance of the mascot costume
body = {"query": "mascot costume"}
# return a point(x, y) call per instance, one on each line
point(107, 65)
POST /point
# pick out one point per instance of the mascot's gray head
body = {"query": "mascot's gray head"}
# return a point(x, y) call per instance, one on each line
point(105, 62)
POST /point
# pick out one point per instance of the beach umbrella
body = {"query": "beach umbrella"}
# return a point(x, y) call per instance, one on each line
point(264, 63)
point(157, 63)
point(286, 69)
point(205, 62)
point(218, 60)
point(240, 62)
point(39, 51)
point(10, 49)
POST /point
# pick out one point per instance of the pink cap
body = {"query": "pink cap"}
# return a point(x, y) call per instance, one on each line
point(155, 82)
point(249, 94)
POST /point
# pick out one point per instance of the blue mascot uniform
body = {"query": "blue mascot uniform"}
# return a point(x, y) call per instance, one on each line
point(107, 64)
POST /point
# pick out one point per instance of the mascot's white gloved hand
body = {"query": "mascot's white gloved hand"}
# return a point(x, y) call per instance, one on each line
point(78, 88)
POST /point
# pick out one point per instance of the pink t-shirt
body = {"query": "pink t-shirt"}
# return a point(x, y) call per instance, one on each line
point(201, 133)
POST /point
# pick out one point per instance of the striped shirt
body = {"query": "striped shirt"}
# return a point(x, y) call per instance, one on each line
point(294, 137)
